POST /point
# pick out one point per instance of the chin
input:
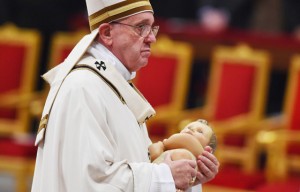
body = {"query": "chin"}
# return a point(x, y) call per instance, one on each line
point(144, 62)
point(140, 67)
point(141, 63)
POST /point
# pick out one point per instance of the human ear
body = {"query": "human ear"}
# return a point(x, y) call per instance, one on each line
point(105, 35)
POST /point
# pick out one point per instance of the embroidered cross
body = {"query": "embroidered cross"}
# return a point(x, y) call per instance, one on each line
point(100, 65)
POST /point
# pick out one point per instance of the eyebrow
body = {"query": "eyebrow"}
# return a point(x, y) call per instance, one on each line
point(145, 21)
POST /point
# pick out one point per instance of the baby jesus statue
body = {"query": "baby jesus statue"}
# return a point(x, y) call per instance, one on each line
point(188, 144)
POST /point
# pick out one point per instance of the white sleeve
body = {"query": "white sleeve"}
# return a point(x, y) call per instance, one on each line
point(162, 179)
point(197, 188)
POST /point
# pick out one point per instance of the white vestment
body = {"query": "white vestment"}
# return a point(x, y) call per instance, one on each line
point(93, 141)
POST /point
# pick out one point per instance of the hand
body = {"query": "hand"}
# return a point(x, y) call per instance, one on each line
point(183, 171)
point(208, 166)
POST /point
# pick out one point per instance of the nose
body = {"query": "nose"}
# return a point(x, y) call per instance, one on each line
point(150, 38)
point(187, 130)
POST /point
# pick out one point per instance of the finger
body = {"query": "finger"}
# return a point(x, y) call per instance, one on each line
point(210, 164)
point(194, 173)
point(208, 149)
point(192, 163)
point(209, 157)
point(192, 177)
point(205, 169)
point(201, 178)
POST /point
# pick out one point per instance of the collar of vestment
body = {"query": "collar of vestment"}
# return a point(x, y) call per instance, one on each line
point(97, 50)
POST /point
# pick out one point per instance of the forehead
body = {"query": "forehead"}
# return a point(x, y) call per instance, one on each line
point(146, 17)
point(200, 126)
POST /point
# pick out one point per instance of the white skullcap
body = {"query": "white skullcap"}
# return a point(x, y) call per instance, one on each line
point(105, 11)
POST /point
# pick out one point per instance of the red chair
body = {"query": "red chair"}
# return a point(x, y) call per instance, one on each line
point(282, 140)
point(165, 81)
point(235, 99)
point(62, 44)
point(19, 51)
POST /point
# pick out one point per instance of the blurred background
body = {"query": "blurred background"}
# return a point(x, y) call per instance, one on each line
point(265, 124)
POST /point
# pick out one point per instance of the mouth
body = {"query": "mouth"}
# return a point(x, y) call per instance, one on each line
point(188, 132)
point(146, 52)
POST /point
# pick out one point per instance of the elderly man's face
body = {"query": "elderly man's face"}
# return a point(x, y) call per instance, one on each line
point(128, 46)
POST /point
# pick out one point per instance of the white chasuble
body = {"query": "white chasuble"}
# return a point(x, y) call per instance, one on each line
point(93, 141)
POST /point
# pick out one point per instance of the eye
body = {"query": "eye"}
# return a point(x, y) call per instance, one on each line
point(199, 131)
point(141, 26)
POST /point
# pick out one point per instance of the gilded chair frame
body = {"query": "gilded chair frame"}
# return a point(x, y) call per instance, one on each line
point(279, 162)
point(19, 129)
point(246, 156)
point(291, 87)
point(31, 39)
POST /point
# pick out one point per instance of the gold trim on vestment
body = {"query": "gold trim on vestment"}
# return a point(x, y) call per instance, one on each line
point(114, 89)
point(43, 122)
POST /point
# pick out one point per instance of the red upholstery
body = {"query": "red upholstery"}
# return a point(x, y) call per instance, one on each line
point(235, 139)
point(11, 58)
point(8, 113)
point(234, 95)
point(15, 148)
point(155, 81)
point(294, 147)
point(295, 120)
point(158, 130)
point(64, 53)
